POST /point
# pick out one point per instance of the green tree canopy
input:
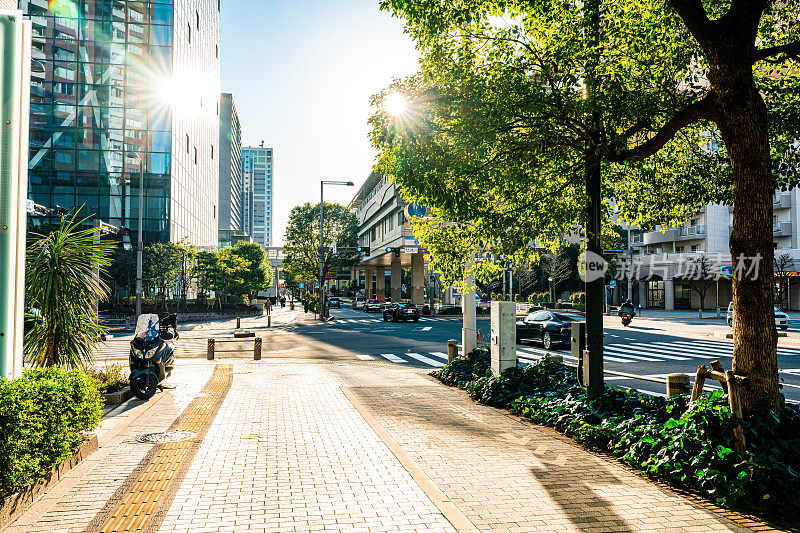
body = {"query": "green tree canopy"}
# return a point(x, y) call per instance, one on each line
point(301, 243)
point(680, 103)
point(259, 276)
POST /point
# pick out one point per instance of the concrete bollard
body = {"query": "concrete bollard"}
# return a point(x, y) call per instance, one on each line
point(677, 384)
point(269, 321)
point(238, 323)
point(257, 349)
point(452, 350)
point(210, 350)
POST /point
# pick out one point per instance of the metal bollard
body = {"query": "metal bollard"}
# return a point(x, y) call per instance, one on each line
point(452, 350)
point(269, 321)
point(238, 323)
point(257, 349)
point(210, 350)
point(677, 384)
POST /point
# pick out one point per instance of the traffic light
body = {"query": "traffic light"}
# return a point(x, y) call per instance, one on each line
point(395, 250)
point(363, 249)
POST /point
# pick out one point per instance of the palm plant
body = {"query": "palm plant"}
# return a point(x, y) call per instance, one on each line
point(62, 281)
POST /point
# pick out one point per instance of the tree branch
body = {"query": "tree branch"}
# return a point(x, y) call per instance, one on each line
point(789, 51)
point(694, 17)
point(701, 109)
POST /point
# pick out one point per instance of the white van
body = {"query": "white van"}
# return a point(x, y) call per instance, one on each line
point(358, 302)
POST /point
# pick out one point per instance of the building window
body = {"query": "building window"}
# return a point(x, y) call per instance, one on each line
point(655, 294)
point(694, 248)
point(401, 218)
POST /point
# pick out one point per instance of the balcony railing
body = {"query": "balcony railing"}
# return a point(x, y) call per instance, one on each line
point(691, 230)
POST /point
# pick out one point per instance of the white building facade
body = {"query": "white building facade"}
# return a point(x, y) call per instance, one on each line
point(257, 173)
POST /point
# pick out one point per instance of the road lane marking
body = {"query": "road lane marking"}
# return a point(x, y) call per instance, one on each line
point(428, 328)
point(365, 357)
point(440, 355)
point(393, 358)
point(426, 360)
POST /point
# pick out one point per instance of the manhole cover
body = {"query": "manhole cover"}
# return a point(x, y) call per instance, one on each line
point(165, 437)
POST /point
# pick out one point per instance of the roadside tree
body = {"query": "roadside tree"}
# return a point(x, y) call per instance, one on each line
point(301, 242)
point(259, 276)
point(679, 103)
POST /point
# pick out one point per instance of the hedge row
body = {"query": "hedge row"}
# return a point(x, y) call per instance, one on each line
point(690, 446)
point(44, 416)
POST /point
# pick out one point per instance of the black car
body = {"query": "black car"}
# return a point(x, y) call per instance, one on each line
point(398, 312)
point(334, 302)
point(548, 327)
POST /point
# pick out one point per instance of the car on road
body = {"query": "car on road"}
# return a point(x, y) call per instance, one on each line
point(781, 318)
point(401, 312)
point(547, 327)
point(334, 303)
point(358, 302)
point(372, 306)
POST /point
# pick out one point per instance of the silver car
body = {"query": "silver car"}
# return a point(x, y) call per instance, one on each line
point(781, 318)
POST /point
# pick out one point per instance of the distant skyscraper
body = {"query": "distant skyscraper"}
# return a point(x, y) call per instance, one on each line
point(231, 184)
point(257, 166)
point(128, 86)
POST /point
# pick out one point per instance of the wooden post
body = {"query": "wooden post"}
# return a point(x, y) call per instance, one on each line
point(735, 403)
point(257, 349)
point(210, 350)
point(717, 367)
point(452, 350)
point(699, 381)
point(677, 385)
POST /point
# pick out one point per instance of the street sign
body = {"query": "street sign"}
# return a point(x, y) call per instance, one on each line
point(726, 270)
point(410, 250)
point(30, 206)
point(612, 283)
point(335, 248)
point(302, 285)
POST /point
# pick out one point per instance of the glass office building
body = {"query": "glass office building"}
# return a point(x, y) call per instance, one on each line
point(230, 167)
point(257, 163)
point(128, 88)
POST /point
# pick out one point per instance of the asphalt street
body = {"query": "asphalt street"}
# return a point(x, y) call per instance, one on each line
point(650, 347)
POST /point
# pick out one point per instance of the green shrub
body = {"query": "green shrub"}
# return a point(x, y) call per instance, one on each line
point(687, 446)
point(44, 417)
point(109, 379)
point(578, 297)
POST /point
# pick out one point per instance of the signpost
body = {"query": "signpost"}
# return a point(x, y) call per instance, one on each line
point(15, 50)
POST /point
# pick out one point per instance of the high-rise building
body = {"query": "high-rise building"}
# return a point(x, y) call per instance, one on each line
point(128, 88)
point(257, 167)
point(230, 166)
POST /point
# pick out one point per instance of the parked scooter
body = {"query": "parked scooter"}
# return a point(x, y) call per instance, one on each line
point(152, 353)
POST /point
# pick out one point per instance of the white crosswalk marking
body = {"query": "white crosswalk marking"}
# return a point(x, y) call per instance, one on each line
point(365, 357)
point(626, 353)
point(427, 360)
point(393, 358)
point(440, 355)
point(656, 352)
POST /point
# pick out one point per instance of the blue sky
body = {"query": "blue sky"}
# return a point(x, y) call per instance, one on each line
point(302, 72)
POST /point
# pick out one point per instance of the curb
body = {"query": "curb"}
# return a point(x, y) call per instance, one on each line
point(14, 505)
point(116, 398)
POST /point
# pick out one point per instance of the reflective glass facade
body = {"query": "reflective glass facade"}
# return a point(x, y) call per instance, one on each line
point(230, 167)
point(112, 71)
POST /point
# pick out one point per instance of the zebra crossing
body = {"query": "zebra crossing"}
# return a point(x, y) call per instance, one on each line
point(695, 351)
point(380, 320)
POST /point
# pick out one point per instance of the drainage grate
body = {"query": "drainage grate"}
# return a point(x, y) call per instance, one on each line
point(165, 437)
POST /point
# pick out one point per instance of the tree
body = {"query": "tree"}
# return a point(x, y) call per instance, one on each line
point(185, 273)
point(122, 270)
point(700, 278)
point(259, 275)
point(204, 275)
point(162, 266)
point(60, 282)
point(783, 265)
point(230, 274)
point(302, 240)
point(680, 103)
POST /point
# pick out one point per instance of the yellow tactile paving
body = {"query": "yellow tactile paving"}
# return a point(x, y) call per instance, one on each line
point(134, 512)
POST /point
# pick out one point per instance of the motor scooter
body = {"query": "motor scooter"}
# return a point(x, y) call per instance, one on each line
point(152, 353)
point(626, 319)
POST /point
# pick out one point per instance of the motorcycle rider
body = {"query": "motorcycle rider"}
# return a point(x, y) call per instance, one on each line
point(627, 308)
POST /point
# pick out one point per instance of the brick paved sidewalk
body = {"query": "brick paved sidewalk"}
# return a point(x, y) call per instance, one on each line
point(305, 445)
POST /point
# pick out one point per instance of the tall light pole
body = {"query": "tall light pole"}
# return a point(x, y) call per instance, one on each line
point(139, 240)
point(322, 240)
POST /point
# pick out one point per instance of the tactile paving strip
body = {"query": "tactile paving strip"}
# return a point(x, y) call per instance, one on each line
point(137, 503)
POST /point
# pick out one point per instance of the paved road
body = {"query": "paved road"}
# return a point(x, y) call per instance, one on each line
point(649, 347)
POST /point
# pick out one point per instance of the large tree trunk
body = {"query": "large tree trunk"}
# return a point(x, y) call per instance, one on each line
point(743, 124)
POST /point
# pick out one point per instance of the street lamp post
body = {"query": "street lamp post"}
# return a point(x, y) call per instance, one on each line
point(139, 240)
point(322, 184)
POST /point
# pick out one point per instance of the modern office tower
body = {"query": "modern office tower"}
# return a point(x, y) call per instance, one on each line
point(257, 166)
point(230, 166)
point(128, 88)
